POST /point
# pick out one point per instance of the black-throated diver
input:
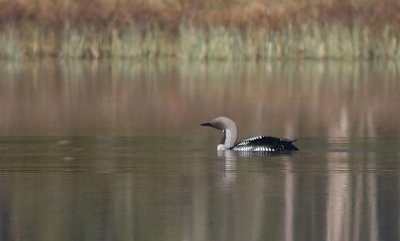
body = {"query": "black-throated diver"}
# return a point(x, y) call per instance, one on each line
point(253, 144)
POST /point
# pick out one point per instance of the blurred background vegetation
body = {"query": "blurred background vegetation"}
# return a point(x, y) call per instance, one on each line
point(200, 29)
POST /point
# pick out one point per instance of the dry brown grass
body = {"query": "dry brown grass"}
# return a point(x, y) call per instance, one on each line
point(172, 13)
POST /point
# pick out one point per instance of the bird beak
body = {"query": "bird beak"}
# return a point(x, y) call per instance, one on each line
point(206, 124)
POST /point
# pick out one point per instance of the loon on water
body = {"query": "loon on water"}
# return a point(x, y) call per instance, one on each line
point(253, 144)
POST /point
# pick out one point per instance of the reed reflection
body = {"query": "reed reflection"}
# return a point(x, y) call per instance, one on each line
point(285, 99)
point(339, 198)
point(352, 204)
point(289, 214)
point(351, 199)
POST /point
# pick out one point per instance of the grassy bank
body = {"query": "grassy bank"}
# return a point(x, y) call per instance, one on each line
point(200, 30)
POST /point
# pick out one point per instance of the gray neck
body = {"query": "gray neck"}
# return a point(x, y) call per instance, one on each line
point(230, 137)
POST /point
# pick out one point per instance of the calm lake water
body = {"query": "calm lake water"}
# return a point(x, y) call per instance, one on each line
point(114, 151)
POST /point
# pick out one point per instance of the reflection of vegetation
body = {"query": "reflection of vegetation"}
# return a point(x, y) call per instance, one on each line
point(200, 30)
point(286, 98)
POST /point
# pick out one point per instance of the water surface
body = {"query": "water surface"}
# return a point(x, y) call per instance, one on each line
point(114, 151)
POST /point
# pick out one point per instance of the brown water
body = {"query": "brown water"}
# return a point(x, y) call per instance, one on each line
point(114, 151)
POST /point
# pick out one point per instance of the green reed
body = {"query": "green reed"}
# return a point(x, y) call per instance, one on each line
point(306, 41)
point(9, 46)
point(197, 43)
